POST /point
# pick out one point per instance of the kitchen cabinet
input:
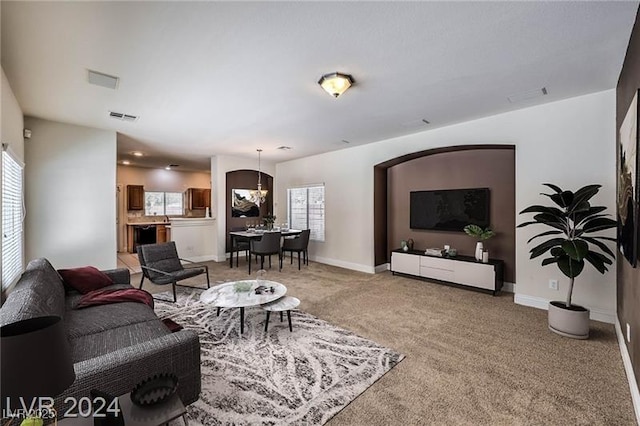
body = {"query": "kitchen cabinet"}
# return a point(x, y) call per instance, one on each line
point(135, 197)
point(161, 234)
point(198, 198)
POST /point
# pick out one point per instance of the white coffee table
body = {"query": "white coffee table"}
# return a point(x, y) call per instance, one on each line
point(228, 296)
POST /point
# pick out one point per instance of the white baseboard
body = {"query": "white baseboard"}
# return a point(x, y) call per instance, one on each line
point(628, 368)
point(382, 268)
point(204, 258)
point(542, 303)
point(346, 265)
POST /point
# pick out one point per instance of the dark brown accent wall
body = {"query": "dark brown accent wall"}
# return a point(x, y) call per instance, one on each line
point(246, 179)
point(628, 286)
point(485, 166)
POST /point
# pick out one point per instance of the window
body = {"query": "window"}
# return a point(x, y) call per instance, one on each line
point(305, 210)
point(12, 219)
point(163, 203)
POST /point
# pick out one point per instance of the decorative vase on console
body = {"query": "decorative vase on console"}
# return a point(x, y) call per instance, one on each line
point(479, 250)
point(480, 235)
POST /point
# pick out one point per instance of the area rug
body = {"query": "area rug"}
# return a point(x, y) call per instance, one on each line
point(278, 377)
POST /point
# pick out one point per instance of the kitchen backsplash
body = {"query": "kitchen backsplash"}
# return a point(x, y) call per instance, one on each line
point(134, 217)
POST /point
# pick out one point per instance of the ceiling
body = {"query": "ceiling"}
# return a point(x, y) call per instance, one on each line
point(226, 78)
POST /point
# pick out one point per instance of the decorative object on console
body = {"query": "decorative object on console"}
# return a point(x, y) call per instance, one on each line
point(259, 196)
point(410, 243)
point(155, 389)
point(434, 252)
point(574, 221)
point(336, 83)
point(485, 256)
point(480, 234)
point(404, 246)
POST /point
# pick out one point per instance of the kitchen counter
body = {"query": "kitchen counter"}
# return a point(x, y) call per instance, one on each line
point(146, 223)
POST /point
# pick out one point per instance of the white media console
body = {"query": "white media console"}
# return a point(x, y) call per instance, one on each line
point(462, 270)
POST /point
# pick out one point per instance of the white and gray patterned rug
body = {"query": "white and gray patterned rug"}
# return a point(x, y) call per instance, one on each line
point(279, 377)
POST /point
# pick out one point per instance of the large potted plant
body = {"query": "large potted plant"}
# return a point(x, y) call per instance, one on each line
point(573, 224)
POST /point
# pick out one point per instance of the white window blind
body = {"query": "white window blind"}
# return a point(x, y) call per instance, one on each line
point(305, 210)
point(12, 220)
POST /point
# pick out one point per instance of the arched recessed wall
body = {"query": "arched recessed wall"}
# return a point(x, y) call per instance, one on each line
point(478, 166)
point(246, 179)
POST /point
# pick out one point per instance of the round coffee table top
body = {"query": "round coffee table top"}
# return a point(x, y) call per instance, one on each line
point(239, 294)
point(285, 303)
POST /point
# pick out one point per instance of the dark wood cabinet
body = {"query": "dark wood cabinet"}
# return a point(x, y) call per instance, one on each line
point(198, 198)
point(161, 234)
point(135, 197)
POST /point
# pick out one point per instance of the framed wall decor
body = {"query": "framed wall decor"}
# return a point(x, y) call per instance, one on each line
point(241, 204)
point(627, 202)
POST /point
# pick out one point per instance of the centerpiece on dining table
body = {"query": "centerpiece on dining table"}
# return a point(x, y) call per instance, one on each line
point(268, 221)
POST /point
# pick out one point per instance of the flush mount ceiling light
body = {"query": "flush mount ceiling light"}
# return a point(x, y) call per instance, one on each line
point(137, 153)
point(258, 196)
point(126, 162)
point(336, 83)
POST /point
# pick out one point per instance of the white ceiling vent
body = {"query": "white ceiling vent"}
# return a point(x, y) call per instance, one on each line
point(104, 80)
point(525, 96)
point(284, 148)
point(123, 117)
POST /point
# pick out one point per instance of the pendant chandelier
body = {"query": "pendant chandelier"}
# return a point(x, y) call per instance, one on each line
point(258, 196)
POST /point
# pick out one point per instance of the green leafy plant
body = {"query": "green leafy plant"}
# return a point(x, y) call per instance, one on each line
point(575, 221)
point(478, 233)
point(268, 219)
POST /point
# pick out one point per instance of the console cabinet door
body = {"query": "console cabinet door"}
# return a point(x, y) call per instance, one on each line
point(476, 275)
point(405, 263)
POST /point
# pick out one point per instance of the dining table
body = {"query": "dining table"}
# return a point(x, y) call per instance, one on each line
point(256, 235)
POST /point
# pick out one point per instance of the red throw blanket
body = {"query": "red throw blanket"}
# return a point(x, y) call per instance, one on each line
point(106, 296)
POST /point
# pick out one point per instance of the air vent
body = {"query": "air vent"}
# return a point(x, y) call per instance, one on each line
point(103, 80)
point(174, 165)
point(284, 148)
point(123, 117)
point(345, 141)
point(525, 96)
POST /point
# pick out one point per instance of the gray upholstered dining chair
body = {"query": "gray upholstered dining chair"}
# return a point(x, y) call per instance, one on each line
point(161, 265)
point(268, 245)
point(239, 245)
point(299, 244)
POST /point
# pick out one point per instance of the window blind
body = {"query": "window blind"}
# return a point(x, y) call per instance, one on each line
point(306, 210)
point(12, 220)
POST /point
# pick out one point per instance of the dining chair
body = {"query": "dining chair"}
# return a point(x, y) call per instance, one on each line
point(239, 245)
point(268, 245)
point(161, 265)
point(298, 244)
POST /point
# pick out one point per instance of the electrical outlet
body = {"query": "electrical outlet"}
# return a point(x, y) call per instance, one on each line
point(628, 333)
point(553, 284)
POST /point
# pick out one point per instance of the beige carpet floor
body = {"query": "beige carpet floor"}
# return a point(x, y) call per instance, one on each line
point(471, 359)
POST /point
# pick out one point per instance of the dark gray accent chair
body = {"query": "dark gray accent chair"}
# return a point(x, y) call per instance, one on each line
point(268, 245)
point(299, 244)
point(161, 265)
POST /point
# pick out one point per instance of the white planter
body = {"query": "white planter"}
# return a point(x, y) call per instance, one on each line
point(572, 322)
point(479, 250)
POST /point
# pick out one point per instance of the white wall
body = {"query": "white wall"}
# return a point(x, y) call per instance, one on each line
point(71, 194)
point(220, 165)
point(570, 143)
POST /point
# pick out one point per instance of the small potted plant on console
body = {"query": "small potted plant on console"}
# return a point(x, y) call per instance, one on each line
point(480, 235)
point(572, 224)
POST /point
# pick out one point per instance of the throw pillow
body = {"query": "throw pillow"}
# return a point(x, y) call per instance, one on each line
point(85, 279)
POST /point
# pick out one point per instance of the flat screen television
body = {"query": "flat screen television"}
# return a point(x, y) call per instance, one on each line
point(449, 209)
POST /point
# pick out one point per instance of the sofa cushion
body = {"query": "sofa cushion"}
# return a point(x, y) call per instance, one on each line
point(104, 342)
point(39, 292)
point(96, 319)
point(85, 279)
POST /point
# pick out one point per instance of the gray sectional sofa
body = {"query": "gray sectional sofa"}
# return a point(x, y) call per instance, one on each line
point(114, 346)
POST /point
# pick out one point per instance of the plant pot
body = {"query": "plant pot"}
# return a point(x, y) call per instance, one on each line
point(570, 322)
